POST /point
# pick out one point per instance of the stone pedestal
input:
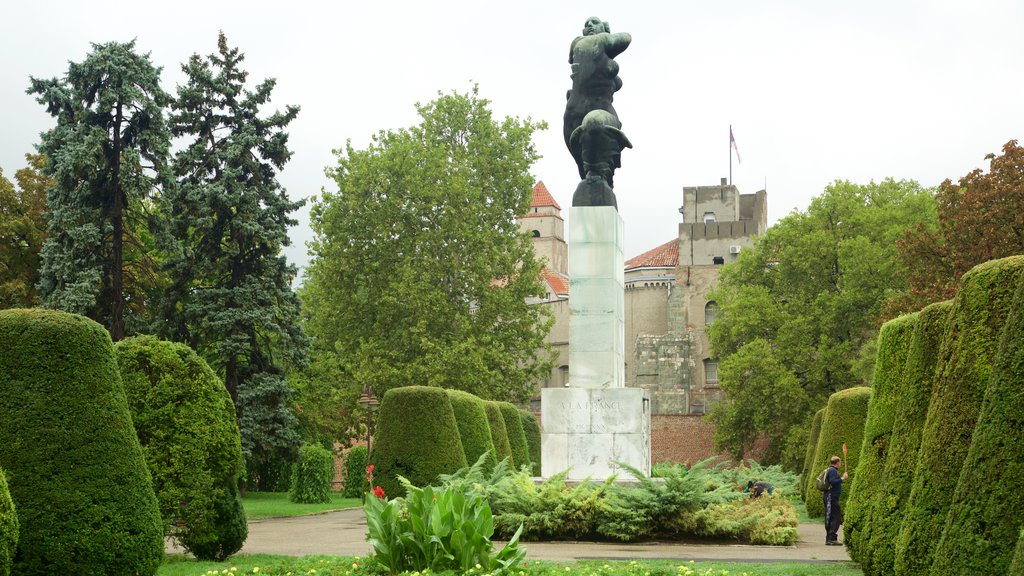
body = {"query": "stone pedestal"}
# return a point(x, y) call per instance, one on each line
point(588, 431)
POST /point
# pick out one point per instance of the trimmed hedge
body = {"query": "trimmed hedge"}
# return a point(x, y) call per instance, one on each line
point(229, 525)
point(417, 437)
point(915, 392)
point(965, 362)
point(312, 475)
point(843, 422)
point(516, 434)
point(355, 472)
point(474, 431)
point(8, 527)
point(76, 471)
point(532, 430)
point(893, 345)
point(812, 443)
point(984, 518)
point(499, 433)
point(1017, 566)
point(185, 421)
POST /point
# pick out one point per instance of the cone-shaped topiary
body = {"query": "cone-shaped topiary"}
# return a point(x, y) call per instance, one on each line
point(474, 430)
point(499, 433)
point(516, 434)
point(966, 355)
point(185, 420)
point(843, 423)
point(1017, 565)
point(75, 469)
point(985, 515)
point(915, 392)
point(8, 528)
point(812, 443)
point(355, 472)
point(893, 344)
point(417, 437)
point(312, 475)
point(532, 430)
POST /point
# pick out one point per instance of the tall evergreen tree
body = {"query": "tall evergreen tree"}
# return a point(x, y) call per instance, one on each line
point(106, 155)
point(230, 293)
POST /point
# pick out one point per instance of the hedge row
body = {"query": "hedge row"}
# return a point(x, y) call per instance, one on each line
point(532, 430)
point(499, 433)
point(843, 423)
point(474, 430)
point(812, 443)
point(516, 434)
point(8, 527)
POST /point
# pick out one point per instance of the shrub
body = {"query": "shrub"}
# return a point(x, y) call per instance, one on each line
point(8, 528)
point(532, 430)
point(230, 528)
point(75, 469)
point(516, 434)
point(1017, 565)
point(843, 423)
point(890, 360)
point(185, 421)
point(812, 443)
point(312, 475)
point(499, 433)
point(968, 349)
point(549, 510)
point(355, 472)
point(765, 520)
point(417, 437)
point(271, 475)
point(985, 515)
point(785, 483)
point(474, 431)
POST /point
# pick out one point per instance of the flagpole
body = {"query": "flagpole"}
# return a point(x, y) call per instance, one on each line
point(730, 154)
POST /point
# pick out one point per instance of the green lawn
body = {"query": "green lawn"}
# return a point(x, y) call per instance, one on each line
point(276, 505)
point(269, 565)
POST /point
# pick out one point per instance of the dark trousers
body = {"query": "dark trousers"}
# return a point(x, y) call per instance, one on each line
point(833, 518)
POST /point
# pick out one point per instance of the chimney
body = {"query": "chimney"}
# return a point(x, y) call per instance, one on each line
point(725, 181)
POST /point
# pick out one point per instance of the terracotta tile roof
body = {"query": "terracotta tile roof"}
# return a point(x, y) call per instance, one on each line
point(541, 197)
point(558, 284)
point(665, 255)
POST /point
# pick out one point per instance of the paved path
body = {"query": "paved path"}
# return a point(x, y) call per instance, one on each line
point(343, 533)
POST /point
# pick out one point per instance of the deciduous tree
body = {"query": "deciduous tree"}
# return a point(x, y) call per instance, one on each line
point(22, 231)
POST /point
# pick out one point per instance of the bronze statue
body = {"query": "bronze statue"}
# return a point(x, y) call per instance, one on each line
point(591, 127)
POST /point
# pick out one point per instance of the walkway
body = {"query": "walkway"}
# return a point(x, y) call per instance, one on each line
point(343, 533)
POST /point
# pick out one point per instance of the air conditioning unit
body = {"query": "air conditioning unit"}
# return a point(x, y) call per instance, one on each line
point(734, 249)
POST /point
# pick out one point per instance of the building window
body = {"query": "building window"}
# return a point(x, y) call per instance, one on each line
point(710, 372)
point(563, 375)
point(718, 260)
point(536, 233)
point(709, 217)
point(710, 311)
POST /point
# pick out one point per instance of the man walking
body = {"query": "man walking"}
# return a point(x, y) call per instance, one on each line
point(833, 515)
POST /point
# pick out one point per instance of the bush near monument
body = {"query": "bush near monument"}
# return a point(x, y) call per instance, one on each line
point(312, 475)
point(474, 431)
point(886, 394)
point(75, 469)
point(8, 527)
point(516, 434)
point(843, 423)
point(355, 472)
point(968, 349)
point(986, 513)
point(532, 430)
point(812, 444)
point(185, 421)
point(499, 433)
point(417, 437)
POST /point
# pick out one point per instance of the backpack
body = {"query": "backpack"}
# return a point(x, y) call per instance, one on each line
point(822, 481)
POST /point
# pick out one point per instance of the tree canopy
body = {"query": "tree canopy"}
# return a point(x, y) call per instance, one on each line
point(419, 273)
point(22, 231)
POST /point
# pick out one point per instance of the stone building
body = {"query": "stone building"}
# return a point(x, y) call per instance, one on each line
point(667, 308)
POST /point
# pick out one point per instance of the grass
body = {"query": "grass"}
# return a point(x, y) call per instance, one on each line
point(271, 565)
point(259, 505)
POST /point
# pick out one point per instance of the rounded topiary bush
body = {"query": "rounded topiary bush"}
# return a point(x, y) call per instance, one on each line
point(230, 528)
point(516, 434)
point(499, 433)
point(475, 432)
point(985, 515)
point(812, 443)
point(915, 392)
point(966, 355)
point(893, 344)
point(75, 469)
point(532, 430)
point(185, 420)
point(843, 423)
point(8, 527)
point(355, 472)
point(312, 475)
point(417, 437)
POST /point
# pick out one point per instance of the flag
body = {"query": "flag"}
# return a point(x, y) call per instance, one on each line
point(732, 144)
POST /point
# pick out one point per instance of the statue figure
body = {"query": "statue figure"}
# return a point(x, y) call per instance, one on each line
point(591, 127)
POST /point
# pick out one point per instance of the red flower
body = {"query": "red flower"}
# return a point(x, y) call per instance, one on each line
point(379, 492)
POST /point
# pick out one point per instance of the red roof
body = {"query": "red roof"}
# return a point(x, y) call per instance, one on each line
point(666, 255)
point(541, 197)
point(558, 284)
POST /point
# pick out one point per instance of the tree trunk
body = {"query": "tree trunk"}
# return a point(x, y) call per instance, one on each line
point(117, 221)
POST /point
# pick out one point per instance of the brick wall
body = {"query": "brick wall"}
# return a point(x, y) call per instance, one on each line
point(683, 438)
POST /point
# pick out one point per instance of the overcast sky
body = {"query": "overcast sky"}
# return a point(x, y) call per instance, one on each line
point(815, 91)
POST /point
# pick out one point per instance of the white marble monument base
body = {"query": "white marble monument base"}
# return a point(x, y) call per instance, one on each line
point(588, 430)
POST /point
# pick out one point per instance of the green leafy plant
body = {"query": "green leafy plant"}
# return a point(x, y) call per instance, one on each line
point(312, 475)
